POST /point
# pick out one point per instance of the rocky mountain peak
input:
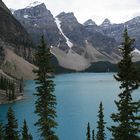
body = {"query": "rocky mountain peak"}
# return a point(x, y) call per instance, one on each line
point(11, 30)
point(34, 10)
point(106, 23)
point(38, 20)
point(68, 17)
point(67, 36)
point(89, 22)
point(134, 21)
point(34, 4)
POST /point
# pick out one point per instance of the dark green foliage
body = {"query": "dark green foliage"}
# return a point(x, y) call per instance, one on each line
point(46, 100)
point(2, 54)
point(1, 132)
point(95, 67)
point(10, 86)
point(100, 124)
point(93, 135)
point(128, 116)
point(25, 52)
point(21, 85)
point(88, 132)
point(13, 92)
point(11, 132)
point(102, 66)
point(3, 83)
point(25, 133)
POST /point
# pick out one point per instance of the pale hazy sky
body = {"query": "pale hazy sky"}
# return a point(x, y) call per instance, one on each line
point(116, 10)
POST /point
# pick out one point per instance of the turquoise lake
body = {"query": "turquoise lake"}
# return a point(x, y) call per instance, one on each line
point(78, 98)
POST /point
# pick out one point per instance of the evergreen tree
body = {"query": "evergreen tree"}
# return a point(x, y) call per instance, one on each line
point(30, 137)
point(13, 96)
point(46, 102)
point(21, 85)
point(93, 135)
point(101, 124)
point(25, 133)
point(11, 132)
point(127, 118)
point(1, 132)
point(88, 132)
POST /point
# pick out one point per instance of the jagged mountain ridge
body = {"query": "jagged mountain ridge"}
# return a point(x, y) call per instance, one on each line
point(11, 30)
point(90, 22)
point(14, 41)
point(106, 23)
point(38, 21)
point(74, 45)
point(116, 30)
point(66, 34)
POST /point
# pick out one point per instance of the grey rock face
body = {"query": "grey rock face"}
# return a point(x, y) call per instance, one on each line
point(66, 32)
point(134, 30)
point(73, 30)
point(116, 30)
point(90, 22)
point(11, 30)
point(39, 21)
point(74, 45)
point(106, 23)
point(79, 33)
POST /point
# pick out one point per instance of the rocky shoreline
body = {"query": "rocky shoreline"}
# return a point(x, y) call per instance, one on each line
point(4, 99)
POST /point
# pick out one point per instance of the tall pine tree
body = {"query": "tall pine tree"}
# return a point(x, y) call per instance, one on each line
point(11, 132)
point(88, 132)
point(127, 119)
point(21, 85)
point(100, 124)
point(1, 131)
point(46, 100)
point(25, 133)
point(93, 135)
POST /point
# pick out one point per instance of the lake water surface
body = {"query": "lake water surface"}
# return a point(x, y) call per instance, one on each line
point(78, 97)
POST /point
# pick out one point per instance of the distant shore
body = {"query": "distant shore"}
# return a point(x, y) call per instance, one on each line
point(5, 101)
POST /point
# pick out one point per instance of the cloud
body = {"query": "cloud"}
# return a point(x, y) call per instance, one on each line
point(98, 10)
point(136, 14)
point(15, 4)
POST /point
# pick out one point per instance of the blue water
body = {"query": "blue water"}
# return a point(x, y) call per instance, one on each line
point(78, 97)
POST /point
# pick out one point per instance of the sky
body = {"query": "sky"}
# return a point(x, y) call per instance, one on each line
point(117, 11)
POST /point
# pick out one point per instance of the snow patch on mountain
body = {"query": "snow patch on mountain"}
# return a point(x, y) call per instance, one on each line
point(34, 4)
point(25, 16)
point(136, 55)
point(58, 23)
